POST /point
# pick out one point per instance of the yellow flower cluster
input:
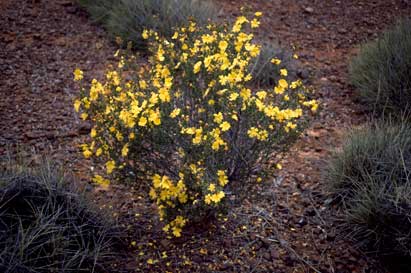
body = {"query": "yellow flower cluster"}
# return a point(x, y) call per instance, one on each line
point(176, 226)
point(190, 120)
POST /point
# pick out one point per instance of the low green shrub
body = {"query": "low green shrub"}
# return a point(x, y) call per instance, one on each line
point(382, 71)
point(47, 227)
point(371, 179)
point(128, 18)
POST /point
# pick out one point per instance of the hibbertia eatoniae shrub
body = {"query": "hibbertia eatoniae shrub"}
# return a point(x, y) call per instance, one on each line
point(190, 120)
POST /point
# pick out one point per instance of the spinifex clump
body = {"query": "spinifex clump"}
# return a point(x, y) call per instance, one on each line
point(382, 71)
point(370, 178)
point(47, 226)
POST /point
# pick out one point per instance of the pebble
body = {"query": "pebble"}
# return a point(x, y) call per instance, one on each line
point(309, 9)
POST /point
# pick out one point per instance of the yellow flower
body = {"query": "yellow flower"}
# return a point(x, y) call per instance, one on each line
point(188, 131)
point(164, 94)
point(222, 178)
point(238, 24)
point(290, 126)
point(198, 136)
point(197, 67)
point(216, 198)
point(279, 90)
point(177, 231)
point(225, 126)
point(278, 166)
point(93, 133)
point(211, 187)
point(142, 84)
point(98, 179)
point(78, 74)
point(283, 83)
point(276, 61)
point(77, 104)
point(119, 136)
point(245, 93)
point(84, 116)
point(218, 118)
point(217, 143)
point(253, 132)
point(142, 122)
point(283, 72)
point(124, 150)
point(110, 166)
point(145, 34)
point(233, 96)
point(261, 94)
point(192, 27)
point(253, 49)
point(207, 39)
point(175, 112)
point(255, 23)
point(222, 45)
point(207, 199)
point(295, 56)
point(258, 14)
point(87, 153)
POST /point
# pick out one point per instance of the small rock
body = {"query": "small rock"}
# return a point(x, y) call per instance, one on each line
point(310, 212)
point(303, 74)
point(331, 236)
point(266, 242)
point(342, 30)
point(66, 3)
point(84, 128)
point(289, 261)
point(333, 78)
point(309, 10)
point(267, 256)
point(197, 259)
point(302, 222)
point(274, 254)
point(225, 266)
point(165, 243)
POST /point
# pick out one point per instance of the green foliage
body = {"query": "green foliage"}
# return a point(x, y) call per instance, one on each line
point(371, 180)
point(47, 227)
point(128, 18)
point(382, 71)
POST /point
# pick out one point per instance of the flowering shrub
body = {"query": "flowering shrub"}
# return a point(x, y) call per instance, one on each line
point(190, 120)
